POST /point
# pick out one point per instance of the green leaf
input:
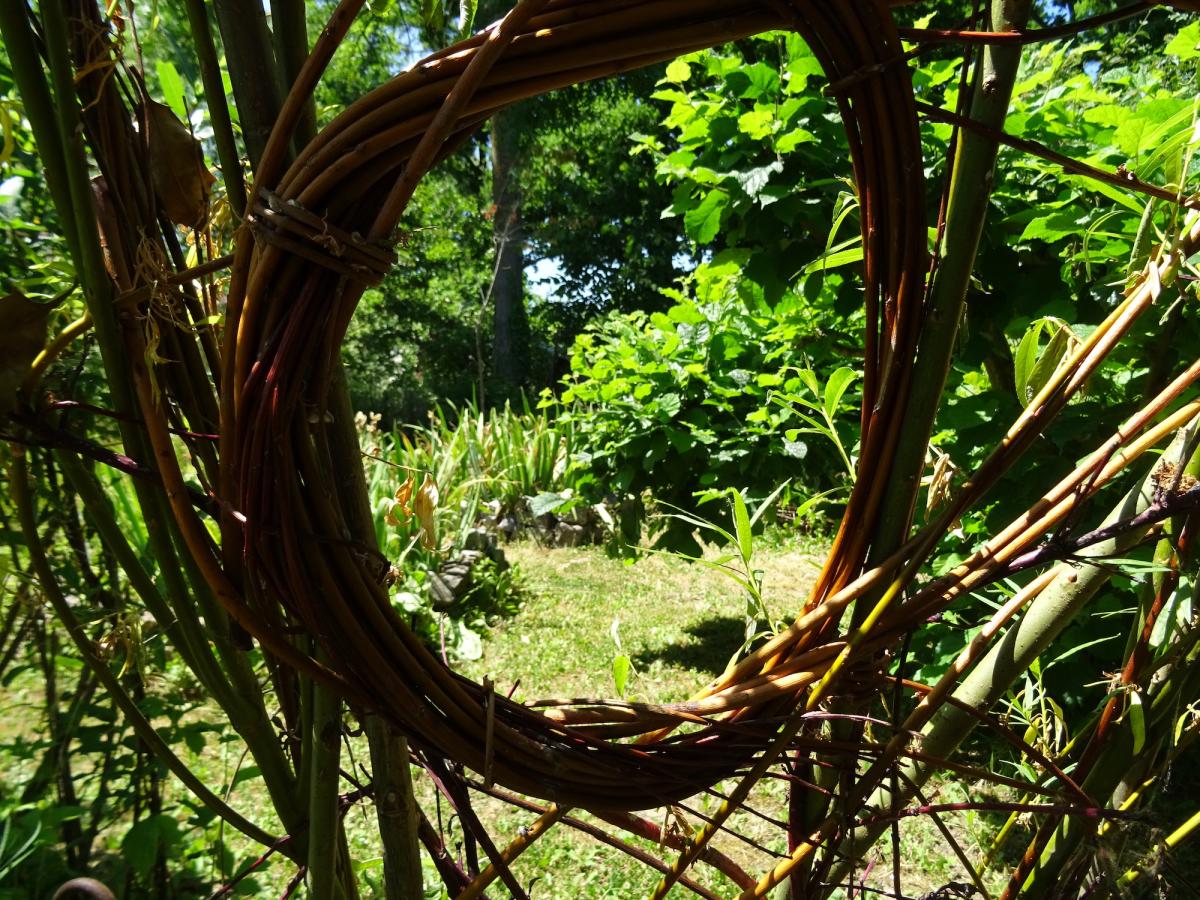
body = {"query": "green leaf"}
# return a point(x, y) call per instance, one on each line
point(545, 503)
point(838, 382)
point(1025, 357)
point(1052, 227)
point(466, 15)
point(470, 644)
point(1034, 366)
point(670, 404)
point(758, 123)
point(1186, 44)
point(752, 181)
point(741, 524)
point(146, 839)
point(1137, 721)
point(793, 139)
point(172, 87)
point(678, 71)
point(704, 221)
point(766, 504)
point(620, 673)
point(835, 259)
point(1049, 361)
point(432, 13)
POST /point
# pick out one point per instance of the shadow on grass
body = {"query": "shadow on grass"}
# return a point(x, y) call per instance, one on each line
point(714, 641)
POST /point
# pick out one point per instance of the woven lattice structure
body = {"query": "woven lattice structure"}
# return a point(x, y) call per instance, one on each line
point(319, 234)
point(291, 304)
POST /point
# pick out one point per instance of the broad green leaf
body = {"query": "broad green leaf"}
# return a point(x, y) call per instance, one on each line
point(172, 87)
point(144, 840)
point(704, 221)
point(678, 71)
point(752, 181)
point(1186, 44)
point(545, 503)
point(758, 123)
point(793, 139)
point(670, 404)
point(801, 69)
point(1053, 227)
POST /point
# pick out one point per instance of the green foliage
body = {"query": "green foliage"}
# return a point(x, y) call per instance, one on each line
point(744, 131)
point(415, 340)
point(739, 564)
point(593, 207)
point(479, 464)
point(706, 394)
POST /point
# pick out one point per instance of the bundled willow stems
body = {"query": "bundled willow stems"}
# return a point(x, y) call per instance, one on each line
point(275, 545)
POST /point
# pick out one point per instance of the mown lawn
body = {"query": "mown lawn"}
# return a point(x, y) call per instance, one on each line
point(679, 622)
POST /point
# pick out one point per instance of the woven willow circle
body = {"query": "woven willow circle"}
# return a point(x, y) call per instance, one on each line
point(319, 237)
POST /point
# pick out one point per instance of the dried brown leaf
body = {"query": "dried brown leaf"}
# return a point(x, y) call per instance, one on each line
point(177, 168)
point(424, 506)
point(22, 336)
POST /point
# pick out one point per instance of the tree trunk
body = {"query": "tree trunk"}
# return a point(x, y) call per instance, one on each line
point(510, 338)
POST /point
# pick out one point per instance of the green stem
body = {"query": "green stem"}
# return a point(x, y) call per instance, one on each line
point(40, 111)
point(97, 290)
point(324, 821)
point(252, 70)
point(218, 106)
point(101, 517)
point(396, 810)
point(970, 189)
point(288, 19)
point(235, 688)
point(396, 807)
point(23, 501)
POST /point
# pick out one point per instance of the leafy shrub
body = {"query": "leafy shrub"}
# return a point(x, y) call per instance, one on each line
point(706, 395)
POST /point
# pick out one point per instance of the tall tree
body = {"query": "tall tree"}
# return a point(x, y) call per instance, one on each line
point(510, 321)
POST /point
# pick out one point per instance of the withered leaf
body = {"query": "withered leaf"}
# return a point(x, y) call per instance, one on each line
point(22, 336)
point(401, 504)
point(424, 505)
point(177, 167)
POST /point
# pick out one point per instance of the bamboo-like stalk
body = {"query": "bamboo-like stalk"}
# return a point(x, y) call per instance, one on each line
point(966, 213)
point(41, 111)
point(218, 106)
point(252, 70)
point(290, 30)
point(396, 810)
point(324, 821)
point(1072, 587)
